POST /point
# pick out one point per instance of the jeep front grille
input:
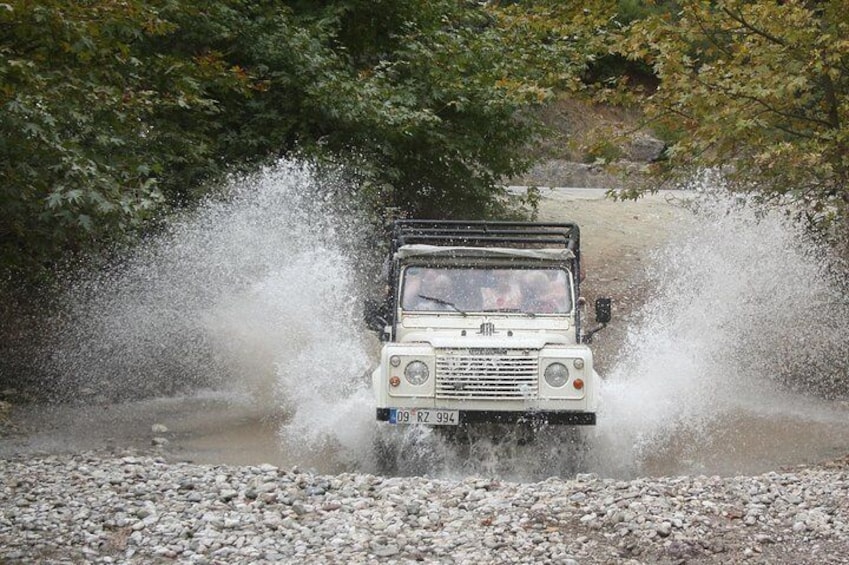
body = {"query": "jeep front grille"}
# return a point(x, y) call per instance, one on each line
point(486, 374)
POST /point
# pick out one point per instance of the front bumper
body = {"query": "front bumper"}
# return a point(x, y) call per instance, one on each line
point(537, 417)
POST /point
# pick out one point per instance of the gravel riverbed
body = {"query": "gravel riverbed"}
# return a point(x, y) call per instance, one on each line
point(139, 508)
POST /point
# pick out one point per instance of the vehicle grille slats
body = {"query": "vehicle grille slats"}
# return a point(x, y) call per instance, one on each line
point(496, 375)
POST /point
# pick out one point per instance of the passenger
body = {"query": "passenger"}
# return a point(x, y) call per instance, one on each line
point(559, 290)
point(505, 294)
point(538, 293)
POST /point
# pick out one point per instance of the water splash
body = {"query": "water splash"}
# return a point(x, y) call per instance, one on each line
point(256, 293)
point(239, 295)
point(744, 336)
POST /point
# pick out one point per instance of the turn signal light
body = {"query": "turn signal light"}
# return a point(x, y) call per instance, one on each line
point(394, 381)
point(578, 384)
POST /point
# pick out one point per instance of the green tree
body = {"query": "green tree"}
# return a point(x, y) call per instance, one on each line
point(91, 123)
point(114, 112)
point(431, 98)
point(758, 90)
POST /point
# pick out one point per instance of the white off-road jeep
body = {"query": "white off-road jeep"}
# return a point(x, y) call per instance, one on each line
point(482, 324)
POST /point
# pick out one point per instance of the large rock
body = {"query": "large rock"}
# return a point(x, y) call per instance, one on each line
point(644, 148)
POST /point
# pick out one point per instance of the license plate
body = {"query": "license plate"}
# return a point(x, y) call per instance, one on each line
point(429, 416)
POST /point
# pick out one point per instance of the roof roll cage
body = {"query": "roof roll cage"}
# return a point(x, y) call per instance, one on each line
point(475, 233)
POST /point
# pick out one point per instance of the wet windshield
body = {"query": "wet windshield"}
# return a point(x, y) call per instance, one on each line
point(532, 291)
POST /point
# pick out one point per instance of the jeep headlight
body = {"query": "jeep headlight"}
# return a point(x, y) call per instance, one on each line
point(417, 373)
point(556, 375)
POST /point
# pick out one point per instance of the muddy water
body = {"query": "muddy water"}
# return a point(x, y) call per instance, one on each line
point(749, 444)
point(222, 428)
point(207, 427)
point(264, 302)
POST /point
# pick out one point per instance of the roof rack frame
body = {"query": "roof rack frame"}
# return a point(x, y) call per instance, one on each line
point(479, 233)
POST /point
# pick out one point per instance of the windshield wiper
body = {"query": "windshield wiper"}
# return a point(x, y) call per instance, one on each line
point(441, 301)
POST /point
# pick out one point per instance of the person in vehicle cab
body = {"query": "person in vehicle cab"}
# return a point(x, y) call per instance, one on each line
point(543, 293)
point(504, 294)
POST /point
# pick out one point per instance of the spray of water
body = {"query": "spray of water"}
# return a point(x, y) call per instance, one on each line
point(729, 364)
point(255, 291)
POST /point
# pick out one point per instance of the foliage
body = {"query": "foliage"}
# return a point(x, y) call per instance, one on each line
point(116, 112)
point(431, 99)
point(90, 123)
point(603, 151)
point(431, 112)
point(758, 90)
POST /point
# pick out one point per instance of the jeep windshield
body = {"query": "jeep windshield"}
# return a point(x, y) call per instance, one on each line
point(477, 289)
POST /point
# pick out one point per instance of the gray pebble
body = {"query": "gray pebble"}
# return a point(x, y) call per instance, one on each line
point(97, 508)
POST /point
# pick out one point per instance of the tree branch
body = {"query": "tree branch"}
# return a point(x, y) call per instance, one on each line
point(740, 19)
point(769, 108)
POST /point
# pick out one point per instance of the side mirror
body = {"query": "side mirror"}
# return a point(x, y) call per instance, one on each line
point(602, 310)
point(602, 316)
point(375, 314)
